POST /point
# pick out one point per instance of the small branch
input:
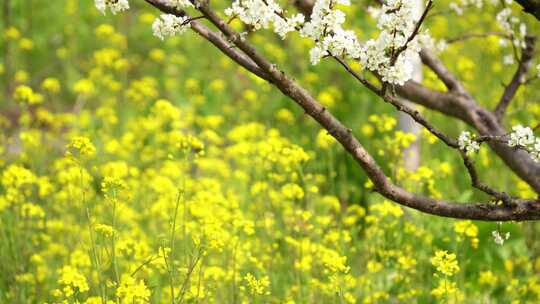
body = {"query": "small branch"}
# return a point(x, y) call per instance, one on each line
point(304, 6)
point(475, 36)
point(511, 89)
point(531, 6)
point(415, 32)
point(416, 116)
point(478, 184)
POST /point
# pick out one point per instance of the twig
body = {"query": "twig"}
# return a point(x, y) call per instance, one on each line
point(518, 79)
point(469, 36)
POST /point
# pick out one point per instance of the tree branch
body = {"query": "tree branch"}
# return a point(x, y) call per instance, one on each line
point(460, 104)
point(519, 78)
point(531, 6)
point(421, 120)
point(437, 66)
point(521, 210)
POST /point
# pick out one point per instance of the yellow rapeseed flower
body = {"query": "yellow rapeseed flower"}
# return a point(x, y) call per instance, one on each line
point(81, 145)
point(51, 85)
point(25, 95)
point(445, 262)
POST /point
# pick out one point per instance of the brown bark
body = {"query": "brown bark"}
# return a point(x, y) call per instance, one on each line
point(531, 6)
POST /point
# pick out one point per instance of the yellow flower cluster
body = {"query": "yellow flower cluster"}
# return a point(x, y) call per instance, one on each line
point(257, 286)
point(82, 146)
point(25, 95)
point(129, 176)
point(469, 230)
point(445, 263)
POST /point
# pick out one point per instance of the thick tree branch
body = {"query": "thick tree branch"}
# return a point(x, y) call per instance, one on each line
point(521, 210)
point(450, 142)
point(304, 6)
point(431, 99)
point(519, 78)
point(531, 6)
point(442, 72)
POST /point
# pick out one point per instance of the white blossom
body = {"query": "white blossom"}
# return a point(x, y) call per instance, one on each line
point(508, 59)
point(324, 20)
point(256, 13)
point(500, 238)
point(283, 26)
point(535, 152)
point(395, 20)
point(397, 24)
point(426, 41)
point(512, 26)
point(316, 54)
point(459, 6)
point(521, 136)
point(374, 12)
point(503, 18)
point(467, 143)
point(456, 8)
point(169, 25)
point(114, 6)
point(538, 71)
point(325, 28)
point(178, 3)
point(262, 14)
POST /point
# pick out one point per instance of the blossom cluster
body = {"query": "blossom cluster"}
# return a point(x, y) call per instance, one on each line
point(523, 137)
point(459, 6)
point(499, 238)
point(467, 143)
point(325, 28)
point(264, 13)
point(114, 6)
point(179, 4)
point(397, 24)
point(513, 28)
point(169, 25)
